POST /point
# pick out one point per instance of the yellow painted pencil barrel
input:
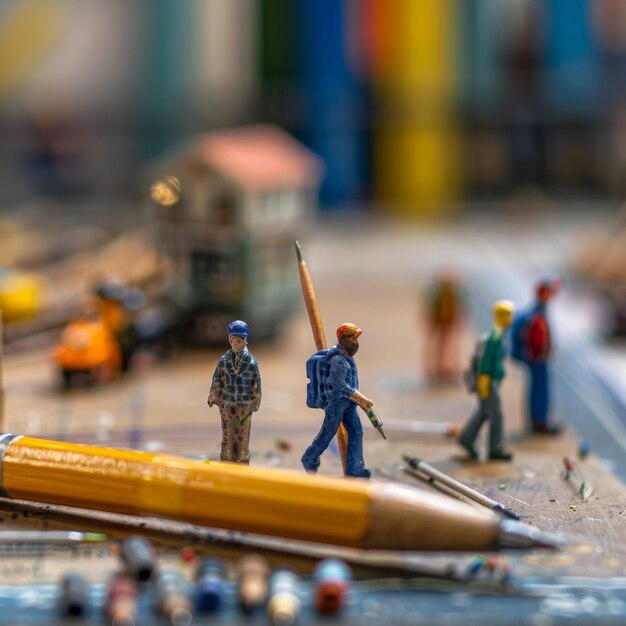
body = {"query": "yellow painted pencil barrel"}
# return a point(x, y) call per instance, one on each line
point(282, 503)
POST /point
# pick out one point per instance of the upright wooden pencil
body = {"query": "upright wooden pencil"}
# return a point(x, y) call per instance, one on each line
point(352, 513)
point(319, 336)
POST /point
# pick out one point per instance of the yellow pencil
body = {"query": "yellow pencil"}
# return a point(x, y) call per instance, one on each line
point(348, 512)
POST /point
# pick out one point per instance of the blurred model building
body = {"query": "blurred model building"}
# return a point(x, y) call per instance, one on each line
point(226, 208)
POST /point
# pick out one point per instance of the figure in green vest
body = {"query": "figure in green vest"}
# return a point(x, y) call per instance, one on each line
point(489, 376)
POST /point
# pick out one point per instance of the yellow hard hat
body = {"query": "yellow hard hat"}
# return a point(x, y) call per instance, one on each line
point(503, 306)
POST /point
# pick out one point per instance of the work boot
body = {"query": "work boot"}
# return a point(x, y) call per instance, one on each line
point(311, 467)
point(470, 449)
point(364, 473)
point(501, 456)
point(541, 428)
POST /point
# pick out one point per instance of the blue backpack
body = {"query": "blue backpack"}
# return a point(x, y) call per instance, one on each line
point(518, 336)
point(317, 371)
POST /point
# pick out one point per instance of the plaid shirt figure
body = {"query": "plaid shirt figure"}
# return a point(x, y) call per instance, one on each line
point(236, 389)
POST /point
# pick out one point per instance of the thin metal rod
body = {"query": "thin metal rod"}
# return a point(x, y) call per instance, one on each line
point(49, 536)
point(423, 471)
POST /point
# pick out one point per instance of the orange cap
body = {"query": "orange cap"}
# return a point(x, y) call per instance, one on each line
point(348, 330)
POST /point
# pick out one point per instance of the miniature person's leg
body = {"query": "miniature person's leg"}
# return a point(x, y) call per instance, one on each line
point(443, 340)
point(493, 410)
point(355, 466)
point(243, 443)
point(472, 427)
point(538, 393)
point(226, 453)
point(332, 419)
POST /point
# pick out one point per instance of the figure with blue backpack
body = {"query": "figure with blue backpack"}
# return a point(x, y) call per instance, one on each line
point(531, 343)
point(334, 386)
point(236, 389)
point(487, 372)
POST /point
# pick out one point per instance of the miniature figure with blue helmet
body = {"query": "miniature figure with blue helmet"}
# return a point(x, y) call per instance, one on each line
point(236, 389)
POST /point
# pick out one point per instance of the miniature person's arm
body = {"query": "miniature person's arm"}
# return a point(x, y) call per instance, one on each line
point(483, 386)
point(364, 402)
point(255, 390)
point(217, 387)
point(338, 383)
point(486, 369)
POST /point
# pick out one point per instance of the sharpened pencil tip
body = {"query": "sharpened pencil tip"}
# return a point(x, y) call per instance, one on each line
point(516, 535)
point(500, 508)
point(298, 251)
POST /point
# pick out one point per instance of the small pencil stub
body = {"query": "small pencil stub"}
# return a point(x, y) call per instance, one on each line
point(94, 537)
point(575, 476)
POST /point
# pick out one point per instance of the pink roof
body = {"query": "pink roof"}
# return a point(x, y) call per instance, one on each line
point(260, 157)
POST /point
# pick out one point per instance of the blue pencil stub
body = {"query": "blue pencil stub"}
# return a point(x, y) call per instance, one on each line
point(210, 585)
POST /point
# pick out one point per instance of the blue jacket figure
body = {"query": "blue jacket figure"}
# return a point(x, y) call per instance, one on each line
point(236, 389)
point(334, 387)
point(531, 344)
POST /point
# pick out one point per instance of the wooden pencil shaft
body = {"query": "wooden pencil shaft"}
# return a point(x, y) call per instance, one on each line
point(274, 502)
point(312, 308)
point(319, 337)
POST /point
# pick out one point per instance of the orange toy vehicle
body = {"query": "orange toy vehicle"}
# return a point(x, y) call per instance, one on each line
point(88, 352)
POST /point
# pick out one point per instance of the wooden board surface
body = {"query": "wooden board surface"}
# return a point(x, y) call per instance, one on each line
point(164, 409)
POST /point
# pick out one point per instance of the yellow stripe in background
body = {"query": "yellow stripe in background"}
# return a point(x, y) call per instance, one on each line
point(27, 32)
point(417, 145)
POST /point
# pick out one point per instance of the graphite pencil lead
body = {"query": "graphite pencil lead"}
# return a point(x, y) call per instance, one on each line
point(518, 536)
point(500, 508)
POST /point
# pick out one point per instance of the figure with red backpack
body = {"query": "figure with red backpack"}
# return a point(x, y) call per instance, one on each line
point(531, 343)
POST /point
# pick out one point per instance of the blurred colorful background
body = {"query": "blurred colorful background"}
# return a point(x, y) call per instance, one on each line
point(158, 158)
point(414, 107)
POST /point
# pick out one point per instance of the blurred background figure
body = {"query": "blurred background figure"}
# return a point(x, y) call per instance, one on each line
point(446, 318)
point(531, 343)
